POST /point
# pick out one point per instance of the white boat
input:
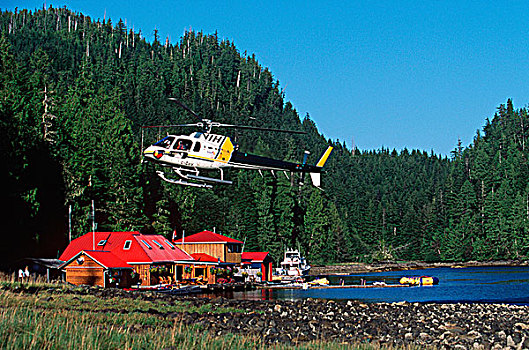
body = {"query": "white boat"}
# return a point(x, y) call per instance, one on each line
point(293, 265)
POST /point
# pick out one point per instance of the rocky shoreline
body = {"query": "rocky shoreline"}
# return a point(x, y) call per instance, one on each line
point(357, 268)
point(452, 326)
point(478, 326)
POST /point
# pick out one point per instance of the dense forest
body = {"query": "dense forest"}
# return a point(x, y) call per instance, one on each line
point(74, 93)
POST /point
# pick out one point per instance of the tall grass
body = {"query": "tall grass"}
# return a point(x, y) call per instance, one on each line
point(28, 322)
point(54, 318)
point(33, 281)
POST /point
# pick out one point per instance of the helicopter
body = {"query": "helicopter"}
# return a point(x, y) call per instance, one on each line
point(188, 155)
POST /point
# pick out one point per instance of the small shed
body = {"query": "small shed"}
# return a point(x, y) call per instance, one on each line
point(98, 268)
point(257, 265)
point(41, 267)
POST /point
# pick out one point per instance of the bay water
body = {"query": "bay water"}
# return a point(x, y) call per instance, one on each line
point(508, 285)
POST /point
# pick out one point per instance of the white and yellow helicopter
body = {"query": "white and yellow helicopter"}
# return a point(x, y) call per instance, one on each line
point(187, 155)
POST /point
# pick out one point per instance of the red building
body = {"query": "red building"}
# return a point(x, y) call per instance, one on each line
point(257, 264)
point(153, 258)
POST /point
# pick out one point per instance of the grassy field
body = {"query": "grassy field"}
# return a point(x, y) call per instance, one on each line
point(36, 315)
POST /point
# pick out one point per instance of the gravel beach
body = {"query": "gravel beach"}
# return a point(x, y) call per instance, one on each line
point(451, 326)
point(464, 326)
point(420, 325)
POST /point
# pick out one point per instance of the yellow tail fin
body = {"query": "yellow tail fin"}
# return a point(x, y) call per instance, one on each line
point(324, 157)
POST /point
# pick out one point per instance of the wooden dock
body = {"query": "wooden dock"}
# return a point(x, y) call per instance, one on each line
point(310, 286)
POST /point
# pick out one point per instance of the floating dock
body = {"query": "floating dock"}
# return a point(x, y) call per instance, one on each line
point(310, 286)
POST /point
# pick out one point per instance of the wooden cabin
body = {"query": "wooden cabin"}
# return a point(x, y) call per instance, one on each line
point(153, 258)
point(221, 247)
point(98, 268)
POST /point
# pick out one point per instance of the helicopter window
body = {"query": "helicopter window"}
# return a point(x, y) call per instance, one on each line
point(197, 147)
point(165, 142)
point(183, 144)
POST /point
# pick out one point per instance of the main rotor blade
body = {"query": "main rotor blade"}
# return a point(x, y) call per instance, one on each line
point(258, 128)
point(184, 106)
point(170, 126)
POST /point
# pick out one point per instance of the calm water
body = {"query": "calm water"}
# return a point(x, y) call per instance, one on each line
point(474, 284)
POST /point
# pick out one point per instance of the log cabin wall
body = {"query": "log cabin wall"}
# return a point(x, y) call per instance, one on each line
point(88, 272)
point(233, 258)
point(216, 250)
point(144, 274)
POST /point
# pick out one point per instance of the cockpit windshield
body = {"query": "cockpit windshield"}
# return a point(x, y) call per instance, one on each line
point(165, 142)
point(183, 144)
point(170, 143)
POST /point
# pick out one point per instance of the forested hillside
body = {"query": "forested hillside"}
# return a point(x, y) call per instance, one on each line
point(74, 93)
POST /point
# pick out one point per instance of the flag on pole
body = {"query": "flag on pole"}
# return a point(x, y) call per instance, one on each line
point(174, 235)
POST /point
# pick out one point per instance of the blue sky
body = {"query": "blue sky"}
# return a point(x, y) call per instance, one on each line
point(393, 74)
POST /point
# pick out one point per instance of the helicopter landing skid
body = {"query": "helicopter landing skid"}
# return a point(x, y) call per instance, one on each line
point(182, 182)
point(210, 179)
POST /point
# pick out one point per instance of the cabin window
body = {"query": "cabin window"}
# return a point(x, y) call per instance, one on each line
point(102, 242)
point(197, 147)
point(169, 244)
point(165, 142)
point(183, 144)
point(158, 244)
point(127, 244)
point(234, 248)
point(146, 244)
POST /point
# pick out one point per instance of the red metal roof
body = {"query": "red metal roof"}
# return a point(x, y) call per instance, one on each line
point(207, 237)
point(140, 248)
point(103, 258)
point(254, 256)
point(203, 257)
point(107, 259)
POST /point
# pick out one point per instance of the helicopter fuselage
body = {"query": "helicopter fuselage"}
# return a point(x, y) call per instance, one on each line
point(188, 154)
point(192, 151)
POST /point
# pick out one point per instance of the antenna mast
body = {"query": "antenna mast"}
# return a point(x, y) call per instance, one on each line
point(93, 226)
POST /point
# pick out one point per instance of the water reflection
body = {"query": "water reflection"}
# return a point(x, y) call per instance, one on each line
point(475, 284)
point(257, 294)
